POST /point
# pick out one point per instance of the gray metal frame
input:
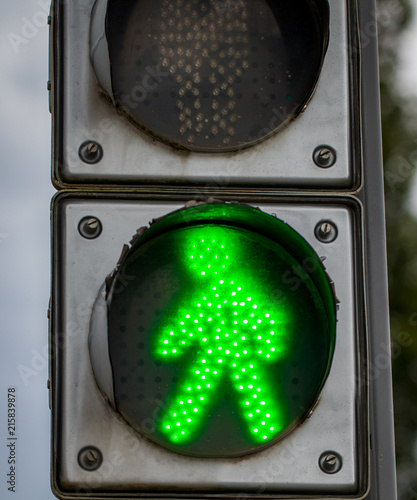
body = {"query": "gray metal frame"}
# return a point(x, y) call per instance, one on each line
point(383, 477)
point(82, 417)
point(132, 157)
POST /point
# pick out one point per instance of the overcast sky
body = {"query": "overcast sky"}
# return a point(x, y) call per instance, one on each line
point(25, 193)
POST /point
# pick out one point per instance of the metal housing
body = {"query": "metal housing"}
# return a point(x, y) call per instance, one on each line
point(132, 157)
point(132, 464)
point(139, 178)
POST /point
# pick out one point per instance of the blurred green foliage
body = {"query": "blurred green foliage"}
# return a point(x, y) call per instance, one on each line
point(399, 124)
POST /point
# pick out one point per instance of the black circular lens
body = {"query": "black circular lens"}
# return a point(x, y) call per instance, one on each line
point(215, 75)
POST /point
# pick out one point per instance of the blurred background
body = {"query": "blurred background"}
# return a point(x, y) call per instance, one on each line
point(25, 193)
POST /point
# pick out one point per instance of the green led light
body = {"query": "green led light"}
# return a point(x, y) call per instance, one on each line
point(224, 367)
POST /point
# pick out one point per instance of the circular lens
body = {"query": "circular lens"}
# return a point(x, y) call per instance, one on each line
point(221, 329)
point(215, 75)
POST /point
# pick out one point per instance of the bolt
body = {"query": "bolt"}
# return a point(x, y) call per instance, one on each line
point(90, 227)
point(90, 152)
point(326, 231)
point(324, 156)
point(330, 462)
point(90, 458)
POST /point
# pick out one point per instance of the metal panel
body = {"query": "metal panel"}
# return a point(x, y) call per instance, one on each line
point(131, 157)
point(132, 463)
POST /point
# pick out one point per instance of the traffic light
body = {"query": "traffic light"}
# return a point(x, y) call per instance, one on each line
point(213, 291)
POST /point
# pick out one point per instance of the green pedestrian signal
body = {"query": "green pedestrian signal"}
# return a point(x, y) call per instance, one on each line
point(233, 336)
point(222, 335)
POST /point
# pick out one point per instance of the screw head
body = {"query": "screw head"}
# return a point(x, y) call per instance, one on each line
point(325, 231)
point(90, 227)
point(90, 458)
point(324, 156)
point(330, 462)
point(90, 152)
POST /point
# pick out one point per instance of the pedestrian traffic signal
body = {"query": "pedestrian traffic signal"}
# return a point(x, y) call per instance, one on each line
point(203, 76)
point(193, 93)
point(215, 256)
point(161, 327)
point(233, 369)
